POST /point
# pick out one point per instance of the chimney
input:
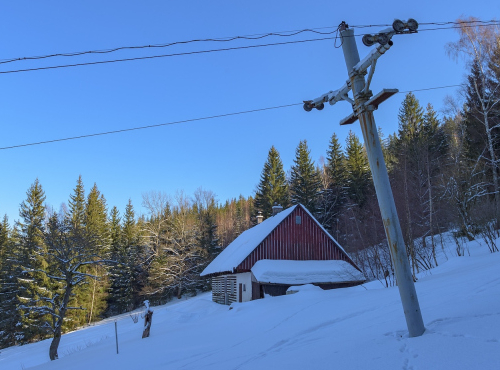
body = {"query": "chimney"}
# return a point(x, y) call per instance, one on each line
point(259, 218)
point(277, 209)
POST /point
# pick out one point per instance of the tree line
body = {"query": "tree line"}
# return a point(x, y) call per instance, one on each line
point(62, 270)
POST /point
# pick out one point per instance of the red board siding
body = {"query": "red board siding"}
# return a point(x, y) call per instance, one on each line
point(289, 241)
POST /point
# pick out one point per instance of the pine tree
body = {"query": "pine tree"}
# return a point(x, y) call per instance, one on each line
point(305, 181)
point(273, 186)
point(357, 170)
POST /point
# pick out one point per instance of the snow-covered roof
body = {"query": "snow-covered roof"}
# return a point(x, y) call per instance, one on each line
point(305, 272)
point(244, 244)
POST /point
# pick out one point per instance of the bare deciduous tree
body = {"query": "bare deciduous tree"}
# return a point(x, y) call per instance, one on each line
point(68, 251)
point(477, 44)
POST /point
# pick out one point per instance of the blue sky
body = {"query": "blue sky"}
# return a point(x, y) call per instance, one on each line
point(223, 155)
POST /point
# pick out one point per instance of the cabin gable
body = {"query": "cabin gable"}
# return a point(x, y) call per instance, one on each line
point(298, 237)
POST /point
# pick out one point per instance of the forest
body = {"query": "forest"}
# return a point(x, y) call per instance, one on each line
point(60, 270)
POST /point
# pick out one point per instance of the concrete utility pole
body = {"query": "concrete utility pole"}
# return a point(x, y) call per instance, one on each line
point(363, 106)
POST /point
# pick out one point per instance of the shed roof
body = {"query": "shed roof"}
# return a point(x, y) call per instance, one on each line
point(244, 244)
point(305, 272)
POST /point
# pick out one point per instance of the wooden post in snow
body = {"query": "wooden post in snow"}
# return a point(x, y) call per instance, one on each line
point(147, 320)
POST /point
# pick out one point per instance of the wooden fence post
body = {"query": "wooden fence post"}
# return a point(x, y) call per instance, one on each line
point(147, 320)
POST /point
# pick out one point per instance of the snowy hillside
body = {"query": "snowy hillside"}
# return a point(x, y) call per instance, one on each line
point(353, 328)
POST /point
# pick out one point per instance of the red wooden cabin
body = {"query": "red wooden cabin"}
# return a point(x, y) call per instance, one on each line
point(289, 248)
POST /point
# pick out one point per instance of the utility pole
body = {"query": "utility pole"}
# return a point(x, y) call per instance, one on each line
point(363, 106)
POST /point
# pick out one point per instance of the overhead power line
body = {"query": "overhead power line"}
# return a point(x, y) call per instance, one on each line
point(165, 45)
point(150, 126)
point(201, 52)
point(233, 38)
point(163, 56)
point(430, 88)
point(187, 121)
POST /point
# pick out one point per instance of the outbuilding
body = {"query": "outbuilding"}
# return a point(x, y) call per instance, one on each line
point(289, 248)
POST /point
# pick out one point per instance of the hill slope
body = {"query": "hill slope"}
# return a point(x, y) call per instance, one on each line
point(353, 328)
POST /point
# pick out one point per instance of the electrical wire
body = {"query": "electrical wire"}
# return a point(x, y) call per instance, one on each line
point(430, 88)
point(149, 126)
point(225, 39)
point(228, 39)
point(188, 120)
point(459, 22)
point(162, 56)
point(208, 51)
point(460, 26)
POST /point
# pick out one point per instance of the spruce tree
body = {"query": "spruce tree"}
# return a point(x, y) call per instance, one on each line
point(410, 118)
point(273, 186)
point(411, 172)
point(96, 225)
point(357, 170)
point(334, 191)
point(76, 218)
point(30, 262)
point(10, 333)
point(207, 239)
point(96, 220)
point(335, 163)
point(135, 252)
point(116, 271)
point(76, 212)
point(305, 181)
point(124, 275)
point(432, 152)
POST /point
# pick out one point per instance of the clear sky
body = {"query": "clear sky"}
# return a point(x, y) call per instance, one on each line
point(223, 155)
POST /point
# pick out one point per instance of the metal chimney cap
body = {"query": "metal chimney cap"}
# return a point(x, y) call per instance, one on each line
point(277, 209)
point(260, 218)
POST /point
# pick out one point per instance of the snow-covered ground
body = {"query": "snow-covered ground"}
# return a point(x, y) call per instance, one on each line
point(353, 328)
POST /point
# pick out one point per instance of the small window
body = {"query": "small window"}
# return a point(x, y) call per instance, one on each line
point(298, 220)
point(244, 288)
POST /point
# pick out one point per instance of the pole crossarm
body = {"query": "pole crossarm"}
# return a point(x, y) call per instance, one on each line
point(331, 97)
point(371, 57)
point(371, 104)
point(335, 96)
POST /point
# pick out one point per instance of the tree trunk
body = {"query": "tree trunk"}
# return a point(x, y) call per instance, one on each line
point(179, 291)
point(493, 165)
point(93, 298)
point(409, 231)
point(431, 230)
point(54, 345)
